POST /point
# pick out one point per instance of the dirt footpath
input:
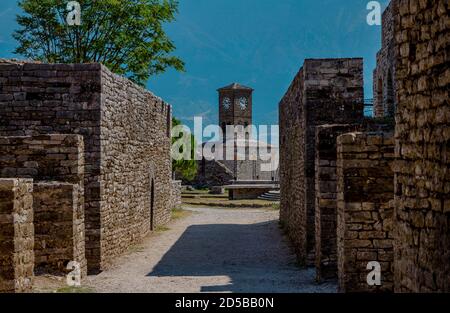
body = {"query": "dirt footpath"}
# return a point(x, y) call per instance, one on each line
point(212, 250)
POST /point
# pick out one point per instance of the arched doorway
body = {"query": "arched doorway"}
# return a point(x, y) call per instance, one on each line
point(152, 204)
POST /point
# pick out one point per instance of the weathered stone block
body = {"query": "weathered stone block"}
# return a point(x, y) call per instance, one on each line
point(16, 235)
point(59, 227)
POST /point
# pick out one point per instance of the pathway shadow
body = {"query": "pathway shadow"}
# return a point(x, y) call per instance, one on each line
point(254, 257)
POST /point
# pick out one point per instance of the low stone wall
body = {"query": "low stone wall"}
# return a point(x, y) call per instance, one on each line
point(176, 194)
point(247, 193)
point(326, 199)
point(16, 235)
point(59, 227)
point(365, 216)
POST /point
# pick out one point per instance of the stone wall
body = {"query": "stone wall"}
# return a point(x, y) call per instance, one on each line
point(364, 212)
point(422, 181)
point(16, 235)
point(212, 173)
point(135, 154)
point(176, 194)
point(59, 227)
point(384, 83)
point(247, 192)
point(51, 157)
point(126, 135)
point(326, 199)
point(324, 91)
point(43, 157)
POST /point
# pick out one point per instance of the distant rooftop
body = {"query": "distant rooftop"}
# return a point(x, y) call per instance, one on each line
point(235, 86)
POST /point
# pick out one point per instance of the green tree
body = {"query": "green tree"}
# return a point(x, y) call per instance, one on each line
point(127, 36)
point(186, 168)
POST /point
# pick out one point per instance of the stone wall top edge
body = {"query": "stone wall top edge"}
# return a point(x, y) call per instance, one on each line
point(51, 66)
point(8, 65)
point(108, 72)
point(53, 183)
point(327, 126)
point(333, 59)
point(354, 136)
point(55, 137)
point(390, 9)
point(291, 85)
point(6, 182)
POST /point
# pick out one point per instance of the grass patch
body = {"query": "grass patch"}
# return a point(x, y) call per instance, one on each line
point(69, 289)
point(178, 213)
point(135, 249)
point(208, 201)
point(276, 206)
point(161, 228)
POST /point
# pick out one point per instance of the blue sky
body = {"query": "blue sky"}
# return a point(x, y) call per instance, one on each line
point(259, 43)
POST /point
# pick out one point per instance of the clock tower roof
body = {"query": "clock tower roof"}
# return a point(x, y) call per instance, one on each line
point(235, 86)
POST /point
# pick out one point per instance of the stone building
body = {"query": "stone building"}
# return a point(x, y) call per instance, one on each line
point(126, 134)
point(325, 91)
point(246, 164)
point(384, 85)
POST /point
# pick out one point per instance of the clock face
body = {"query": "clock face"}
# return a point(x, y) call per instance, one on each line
point(243, 103)
point(226, 102)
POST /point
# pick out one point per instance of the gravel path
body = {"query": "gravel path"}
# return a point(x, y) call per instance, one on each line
point(212, 250)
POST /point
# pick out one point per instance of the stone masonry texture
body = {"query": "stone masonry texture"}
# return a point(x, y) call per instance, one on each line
point(16, 235)
point(364, 212)
point(59, 235)
point(325, 91)
point(126, 132)
point(43, 157)
point(326, 199)
point(176, 194)
point(59, 227)
point(422, 174)
point(384, 83)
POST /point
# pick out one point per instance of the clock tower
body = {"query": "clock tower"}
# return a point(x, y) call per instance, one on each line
point(235, 106)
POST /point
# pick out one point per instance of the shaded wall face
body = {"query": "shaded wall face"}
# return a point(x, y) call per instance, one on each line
point(326, 199)
point(365, 192)
point(292, 160)
point(135, 149)
point(59, 227)
point(325, 91)
point(422, 182)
